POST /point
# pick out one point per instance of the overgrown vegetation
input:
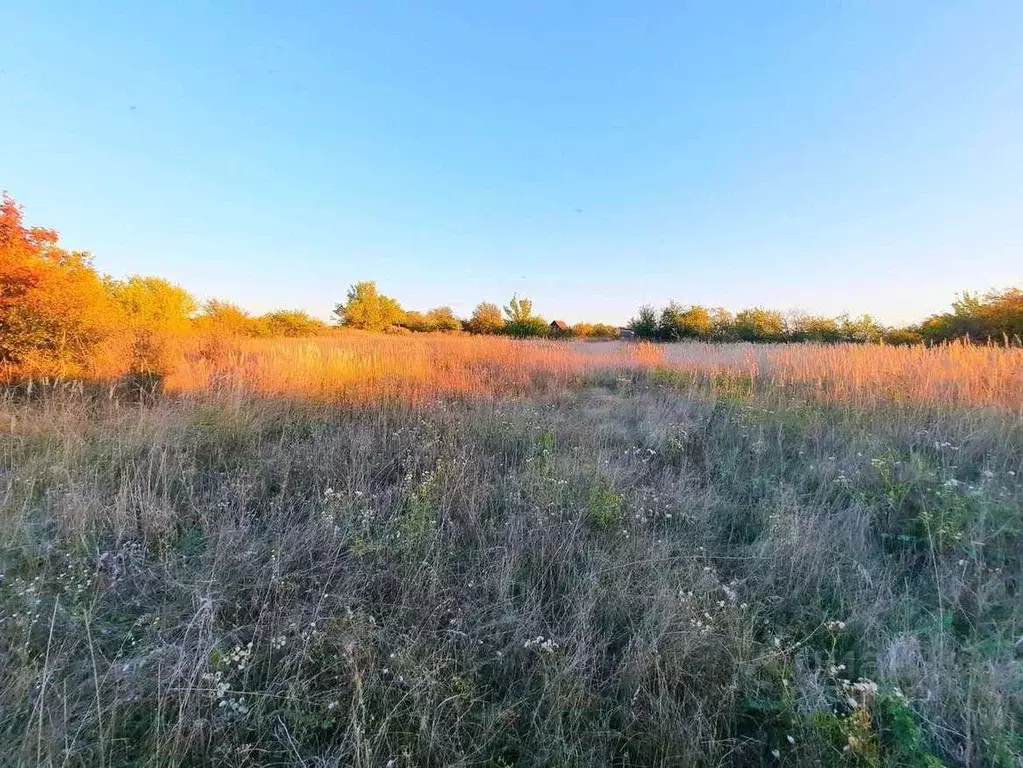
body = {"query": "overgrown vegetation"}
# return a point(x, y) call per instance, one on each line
point(620, 562)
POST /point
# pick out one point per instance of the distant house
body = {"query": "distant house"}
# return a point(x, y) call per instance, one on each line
point(626, 333)
point(559, 328)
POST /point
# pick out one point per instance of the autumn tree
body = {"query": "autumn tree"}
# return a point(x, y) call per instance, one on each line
point(368, 309)
point(55, 313)
point(486, 318)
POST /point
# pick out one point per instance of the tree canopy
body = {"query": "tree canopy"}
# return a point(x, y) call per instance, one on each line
point(368, 309)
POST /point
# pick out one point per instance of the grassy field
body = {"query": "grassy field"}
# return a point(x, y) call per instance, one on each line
point(426, 551)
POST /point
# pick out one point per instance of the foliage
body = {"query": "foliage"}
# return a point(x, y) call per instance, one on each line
point(486, 318)
point(154, 303)
point(368, 309)
point(438, 319)
point(759, 324)
point(226, 319)
point(863, 329)
point(291, 323)
point(803, 327)
point(644, 325)
point(677, 323)
point(522, 322)
point(996, 316)
point(156, 314)
point(443, 319)
point(54, 310)
point(594, 331)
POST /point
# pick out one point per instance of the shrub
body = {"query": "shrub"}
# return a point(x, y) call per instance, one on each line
point(292, 323)
point(156, 313)
point(222, 318)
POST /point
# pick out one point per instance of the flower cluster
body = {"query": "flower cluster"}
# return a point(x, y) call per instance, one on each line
point(541, 643)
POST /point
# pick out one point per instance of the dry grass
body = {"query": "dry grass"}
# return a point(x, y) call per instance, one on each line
point(363, 367)
point(455, 551)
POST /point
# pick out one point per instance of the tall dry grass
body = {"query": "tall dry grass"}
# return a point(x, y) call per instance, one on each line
point(368, 367)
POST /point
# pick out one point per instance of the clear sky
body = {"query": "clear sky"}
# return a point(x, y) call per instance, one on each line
point(829, 156)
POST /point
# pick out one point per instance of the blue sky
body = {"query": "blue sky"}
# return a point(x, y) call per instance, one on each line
point(861, 156)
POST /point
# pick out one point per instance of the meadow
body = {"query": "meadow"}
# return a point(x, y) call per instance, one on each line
point(444, 550)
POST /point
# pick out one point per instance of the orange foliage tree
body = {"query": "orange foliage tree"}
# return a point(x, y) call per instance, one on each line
point(55, 312)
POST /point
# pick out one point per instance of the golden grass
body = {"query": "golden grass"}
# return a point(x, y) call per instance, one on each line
point(362, 367)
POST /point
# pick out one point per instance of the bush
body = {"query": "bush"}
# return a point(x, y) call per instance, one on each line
point(156, 312)
point(291, 324)
point(222, 318)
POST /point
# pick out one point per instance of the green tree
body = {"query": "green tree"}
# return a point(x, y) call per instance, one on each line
point(677, 323)
point(802, 327)
point(486, 318)
point(721, 324)
point(758, 324)
point(644, 325)
point(414, 321)
point(522, 322)
point(368, 309)
point(903, 336)
point(443, 319)
point(997, 316)
point(863, 329)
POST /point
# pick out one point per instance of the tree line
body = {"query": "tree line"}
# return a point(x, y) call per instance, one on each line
point(994, 317)
point(367, 309)
point(60, 316)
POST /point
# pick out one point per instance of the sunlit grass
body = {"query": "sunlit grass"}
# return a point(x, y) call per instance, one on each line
point(368, 367)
